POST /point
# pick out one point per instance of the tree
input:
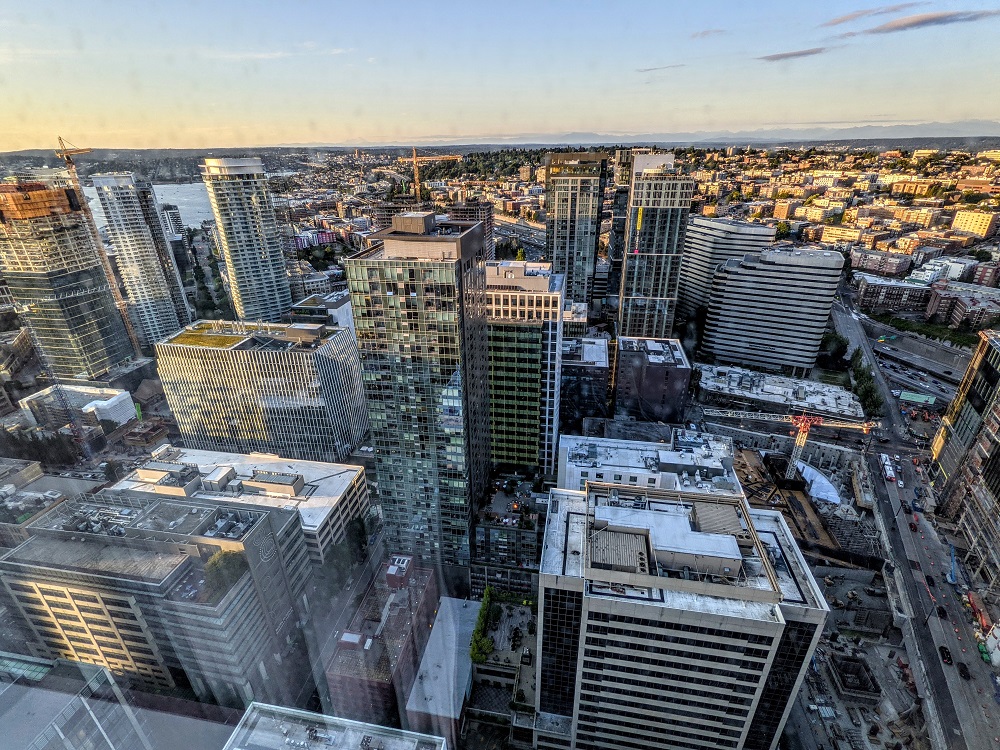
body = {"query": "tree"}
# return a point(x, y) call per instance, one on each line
point(223, 570)
point(983, 256)
point(783, 230)
point(357, 539)
point(520, 254)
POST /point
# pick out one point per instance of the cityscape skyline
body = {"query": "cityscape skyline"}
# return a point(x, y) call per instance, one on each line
point(194, 94)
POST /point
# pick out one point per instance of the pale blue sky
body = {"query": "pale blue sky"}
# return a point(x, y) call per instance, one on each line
point(220, 73)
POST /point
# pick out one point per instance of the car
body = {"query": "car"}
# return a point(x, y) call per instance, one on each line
point(917, 507)
point(913, 526)
point(907, 508)
point(930, 580)
point(896, 458)
point(942, 612)
point(945, 654)
point(899, 483)
point(963, 671)
point(918, 491)
point(883, 440)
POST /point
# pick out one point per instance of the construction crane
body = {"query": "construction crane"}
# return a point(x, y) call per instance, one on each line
point(66, 152)
point(802, 422)
point(417, 160)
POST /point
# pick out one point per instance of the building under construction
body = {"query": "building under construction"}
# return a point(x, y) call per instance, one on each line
point(52, 265)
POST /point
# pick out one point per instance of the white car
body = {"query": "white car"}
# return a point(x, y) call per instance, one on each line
point(899, 483)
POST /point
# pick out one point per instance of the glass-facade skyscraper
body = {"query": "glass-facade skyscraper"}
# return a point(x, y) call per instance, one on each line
point(419, 312)
point(658, 207)
point(50, 261)
point(574, 193)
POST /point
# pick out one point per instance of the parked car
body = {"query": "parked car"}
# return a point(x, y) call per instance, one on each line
point(913, 527)
point(899, 483)
point(942, 612)
point(963, 671)
point(945, 654)
point(930, 580)
point(906, 506)
point(917, 507)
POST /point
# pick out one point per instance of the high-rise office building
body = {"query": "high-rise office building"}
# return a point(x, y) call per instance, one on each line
point(169, 590)
point(145, 261)
point(50, 261)
point(708, 243)
point(651, 380)
point(480, 210)
point(418, 300)
point(524, 318)
point(574, 195)
point(294, 390)
point(678, 620)
point(659, 202)
point(787, 294)
point(249, 238)
point(967, 463)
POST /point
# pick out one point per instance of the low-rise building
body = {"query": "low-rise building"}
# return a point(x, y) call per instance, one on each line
point(880, 261)
point(326, 496)
point(877, 294)
point(737, 388)
point(978, 223)
point(54, 406)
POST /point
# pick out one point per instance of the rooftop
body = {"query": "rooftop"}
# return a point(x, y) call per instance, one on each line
point(323, 484)
point(446, 667)
point(657, 351)
point(224, 334)
point(585, 352)
point(97, 558)
point(794, 393)
point(265, 727)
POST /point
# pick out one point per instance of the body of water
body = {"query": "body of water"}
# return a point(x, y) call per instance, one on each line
point(191, 200)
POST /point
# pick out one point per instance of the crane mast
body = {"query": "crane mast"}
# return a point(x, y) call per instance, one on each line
point(803, 424)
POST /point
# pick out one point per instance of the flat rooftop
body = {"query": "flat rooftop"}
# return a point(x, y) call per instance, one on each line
point(585, 352)
point(241, 335)
point(792, 394)
point(265, 727)
point(656, 351)
point(96, 557)
point(325, 484)
point(446, 668)
point(695, 462)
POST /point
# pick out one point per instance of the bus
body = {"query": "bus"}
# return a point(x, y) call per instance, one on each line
point(887, 471)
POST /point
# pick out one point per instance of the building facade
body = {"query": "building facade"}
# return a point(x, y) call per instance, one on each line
point(475, 209)
point(167, 592)
point(787, 294)
point(418, 301)
point(249, 237)
point(294, 390)
point(585, 382)
point(524, 320)
point(659, 203)
point(50, 262)
point(667, 621)
point(574, 194)
point(967, 464)
point(708, 243)
point(651, 380)
point(145, 260)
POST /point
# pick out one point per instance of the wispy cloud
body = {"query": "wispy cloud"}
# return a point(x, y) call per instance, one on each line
point(305, 48)
point(884, 10)
point(706, 33)
point(925, 20)
point(237, 56)
point(779, 56)
point(661, 67)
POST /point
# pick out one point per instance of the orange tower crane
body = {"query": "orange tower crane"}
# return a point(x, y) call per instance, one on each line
point(802, 422)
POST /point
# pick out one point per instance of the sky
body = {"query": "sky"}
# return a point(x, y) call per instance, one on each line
point(180, 74)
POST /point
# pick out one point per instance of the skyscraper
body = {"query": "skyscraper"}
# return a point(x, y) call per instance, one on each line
point(524, 318)
point(418, 305)
point(708, 243)
point(786, 294)
point(659, 202)
point(294, 390)
point(574, 194)
point(248, 233)
point(475, 209)
point(50, 262)
point(145, 261)
point(669, 619)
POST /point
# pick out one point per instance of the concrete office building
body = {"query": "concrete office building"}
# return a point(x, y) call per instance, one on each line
point(668, 620)
point(327, 496)
point(574, 194)
point(651, 380)
point(419, 311)
point(50, 261)
point(169, 591)
point(145, 261)
point(249, 237)
point(708, 243)
point(967, 464)
point(53, 407)
point(294, 390)
point(475, 209)
point(659, 203)
point(786, 295)
point(524, 319)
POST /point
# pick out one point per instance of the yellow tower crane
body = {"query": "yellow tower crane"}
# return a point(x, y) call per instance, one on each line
point(802, 422)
